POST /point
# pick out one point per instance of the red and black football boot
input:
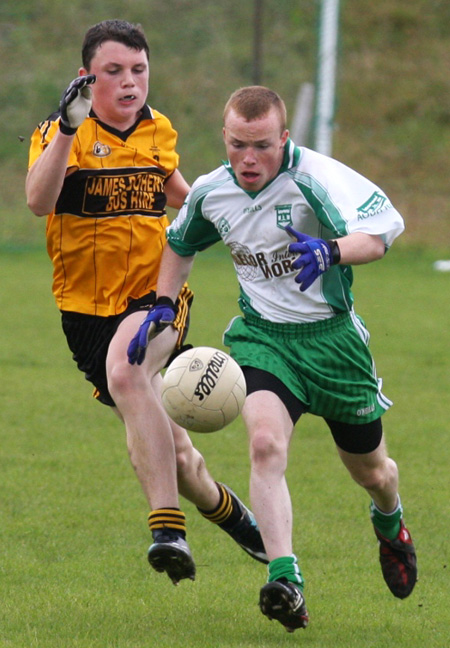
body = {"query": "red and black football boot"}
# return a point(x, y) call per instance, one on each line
point(398, 562)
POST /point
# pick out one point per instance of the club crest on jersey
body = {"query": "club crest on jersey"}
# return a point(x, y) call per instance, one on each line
point(223, 226)
point(155, 152)
point(377, 203)
point(284, 215)
point(101, 150)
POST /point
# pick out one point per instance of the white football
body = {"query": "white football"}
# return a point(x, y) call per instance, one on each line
point(203, 389)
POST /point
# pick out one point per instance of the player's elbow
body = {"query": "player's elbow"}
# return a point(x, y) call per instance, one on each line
point(37, 196)
point(36, 204)
point(380, 251)
point(37, 209)
point(376, 248)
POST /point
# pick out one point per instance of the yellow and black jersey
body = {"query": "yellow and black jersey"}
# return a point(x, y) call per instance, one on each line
point(106, 234)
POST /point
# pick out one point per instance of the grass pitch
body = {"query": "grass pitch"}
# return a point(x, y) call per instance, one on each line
point(73, 531)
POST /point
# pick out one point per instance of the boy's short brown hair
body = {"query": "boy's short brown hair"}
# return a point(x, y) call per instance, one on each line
point(121, 31)
point(253, 102)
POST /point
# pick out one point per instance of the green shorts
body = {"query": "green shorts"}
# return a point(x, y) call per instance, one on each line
point(327, 365)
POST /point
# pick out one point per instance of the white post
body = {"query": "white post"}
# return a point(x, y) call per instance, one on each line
point(326, 76)
point(303, 115)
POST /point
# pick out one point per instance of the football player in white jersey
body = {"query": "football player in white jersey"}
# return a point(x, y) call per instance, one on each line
point(295, 222)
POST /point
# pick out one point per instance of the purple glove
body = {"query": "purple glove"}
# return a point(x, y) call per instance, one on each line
point(159, 317)
point(316, 257)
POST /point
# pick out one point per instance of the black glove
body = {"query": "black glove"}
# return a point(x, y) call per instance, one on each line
point(75, 104)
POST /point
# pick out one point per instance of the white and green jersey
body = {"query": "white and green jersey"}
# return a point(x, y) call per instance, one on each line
point(317, 196)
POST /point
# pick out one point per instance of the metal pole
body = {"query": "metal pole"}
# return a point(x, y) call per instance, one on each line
point(257, 41)
point(303, 114)
point(326, 78)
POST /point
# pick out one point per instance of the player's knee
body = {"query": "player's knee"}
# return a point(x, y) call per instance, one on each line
point(267, 448)
point(371, 480)
point(122, 380)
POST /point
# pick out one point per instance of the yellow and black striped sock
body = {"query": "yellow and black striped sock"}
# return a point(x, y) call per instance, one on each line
point(227, 513)
point(168, 518)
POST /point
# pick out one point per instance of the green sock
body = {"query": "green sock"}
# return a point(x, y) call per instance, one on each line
point(388, 524)
point(285, 567)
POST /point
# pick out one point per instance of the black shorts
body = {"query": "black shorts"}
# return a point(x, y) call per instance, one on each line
point(357, 439)
point(89, 337)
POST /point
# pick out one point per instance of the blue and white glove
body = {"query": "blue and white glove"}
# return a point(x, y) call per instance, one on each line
point(76, 104)
point(159, 317)
point(316, 257)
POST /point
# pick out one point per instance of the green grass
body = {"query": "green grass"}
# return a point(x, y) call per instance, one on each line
point(73, 533)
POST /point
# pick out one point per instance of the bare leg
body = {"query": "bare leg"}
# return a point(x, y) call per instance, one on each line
point(377, 473)
point(194, 481)
point(160, 451)
point(270, 429)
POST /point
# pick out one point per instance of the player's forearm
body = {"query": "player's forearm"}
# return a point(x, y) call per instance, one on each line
point(173, 273)
point(46, 176)
point(358, 248)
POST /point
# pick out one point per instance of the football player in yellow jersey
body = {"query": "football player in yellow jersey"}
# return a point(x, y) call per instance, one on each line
point(102, 169)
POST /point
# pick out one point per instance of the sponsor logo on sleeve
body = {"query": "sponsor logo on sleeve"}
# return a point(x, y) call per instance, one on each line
point(377, 203)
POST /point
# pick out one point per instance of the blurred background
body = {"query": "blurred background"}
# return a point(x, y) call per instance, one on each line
point(391, 106)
